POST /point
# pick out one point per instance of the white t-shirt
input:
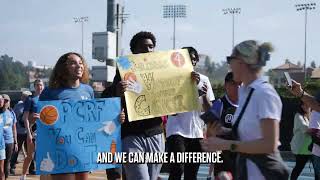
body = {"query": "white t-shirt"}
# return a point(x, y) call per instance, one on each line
point(300, 137)
point(264, 103)
point(315, 124)
point(189, 124)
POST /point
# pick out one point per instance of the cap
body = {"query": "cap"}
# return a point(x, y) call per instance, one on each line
point(6, 97)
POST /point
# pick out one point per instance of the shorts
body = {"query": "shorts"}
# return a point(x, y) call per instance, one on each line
point(2, 154)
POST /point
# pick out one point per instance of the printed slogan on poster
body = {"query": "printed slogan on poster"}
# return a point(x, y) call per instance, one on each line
point(70, 134)
point(159, 84)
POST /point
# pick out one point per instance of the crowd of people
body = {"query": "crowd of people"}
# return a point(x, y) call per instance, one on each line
point(243, 124)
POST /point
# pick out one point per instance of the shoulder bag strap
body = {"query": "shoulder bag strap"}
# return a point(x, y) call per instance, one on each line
point(236, 124)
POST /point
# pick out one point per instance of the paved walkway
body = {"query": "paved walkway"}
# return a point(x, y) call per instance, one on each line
point(94, 176)
point(307, 173)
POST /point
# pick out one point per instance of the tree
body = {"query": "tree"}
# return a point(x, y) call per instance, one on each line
point(299, 63)
point(210, 67)
point(287, 61)
point(13, 74)
point(213, 67)
point(221, 69)
point(313, 64)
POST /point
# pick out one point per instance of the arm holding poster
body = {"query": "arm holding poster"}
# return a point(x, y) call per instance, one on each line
point(121, 88)
point(195, 77)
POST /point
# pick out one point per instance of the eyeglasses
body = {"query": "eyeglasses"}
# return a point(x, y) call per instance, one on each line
point(230, 58)
point(6, 100)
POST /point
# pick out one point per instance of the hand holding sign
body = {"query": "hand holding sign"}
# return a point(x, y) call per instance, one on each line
point(121, 88)
point(47, 164)
point(195, 77)
point(122, 116)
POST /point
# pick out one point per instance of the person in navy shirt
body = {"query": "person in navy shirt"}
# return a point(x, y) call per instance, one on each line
point(29, 116)
point(21, 132)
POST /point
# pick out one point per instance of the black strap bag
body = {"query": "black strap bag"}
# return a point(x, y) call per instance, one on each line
point(270, 165)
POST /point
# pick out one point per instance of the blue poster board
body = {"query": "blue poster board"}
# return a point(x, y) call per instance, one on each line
point(71, 133)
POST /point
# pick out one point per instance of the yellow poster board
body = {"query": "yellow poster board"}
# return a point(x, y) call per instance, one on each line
point(159, 84)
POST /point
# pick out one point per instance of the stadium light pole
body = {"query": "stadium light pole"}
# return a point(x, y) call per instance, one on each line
point(81, 20)
point(305, 7)
point(233, 12)
point(174, 11)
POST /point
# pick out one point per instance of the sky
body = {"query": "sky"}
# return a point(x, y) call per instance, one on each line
point(43, 30)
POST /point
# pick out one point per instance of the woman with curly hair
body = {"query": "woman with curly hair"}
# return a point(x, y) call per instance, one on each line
point(68, 81)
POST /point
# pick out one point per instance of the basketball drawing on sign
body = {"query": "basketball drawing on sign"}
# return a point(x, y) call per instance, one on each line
point(130, 76)
point(72, 161)
point(49, 115)
point(177, 59)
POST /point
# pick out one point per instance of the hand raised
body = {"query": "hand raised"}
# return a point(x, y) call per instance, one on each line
point(121, 88)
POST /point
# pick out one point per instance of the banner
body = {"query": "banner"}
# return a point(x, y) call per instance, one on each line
point(159, 84)
point(70, 134)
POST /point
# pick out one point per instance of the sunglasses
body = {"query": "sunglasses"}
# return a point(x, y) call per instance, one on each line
point(229, 58)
